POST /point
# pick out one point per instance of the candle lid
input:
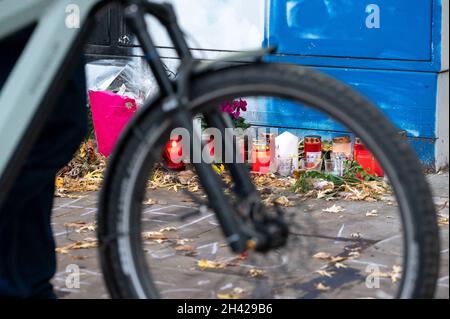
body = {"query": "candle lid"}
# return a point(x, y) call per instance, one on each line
point(342, 140)
point(313, 139)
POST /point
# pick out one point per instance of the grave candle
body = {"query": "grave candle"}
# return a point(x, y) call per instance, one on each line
point(342, 145)
point(313, 151)
point(261, 157)
point(173, 154)
point(366, 159)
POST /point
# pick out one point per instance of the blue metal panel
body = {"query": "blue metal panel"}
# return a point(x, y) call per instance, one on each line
point(394, 65)
point(334, 33)
point(407, 98)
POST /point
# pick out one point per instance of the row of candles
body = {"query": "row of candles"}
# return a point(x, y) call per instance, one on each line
point(266, 160)
point(343, 150)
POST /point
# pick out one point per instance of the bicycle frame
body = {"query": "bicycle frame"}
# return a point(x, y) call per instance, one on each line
point(40, 72)
point(57, 46)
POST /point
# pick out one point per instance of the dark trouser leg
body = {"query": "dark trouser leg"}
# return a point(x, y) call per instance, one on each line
point(27, 248)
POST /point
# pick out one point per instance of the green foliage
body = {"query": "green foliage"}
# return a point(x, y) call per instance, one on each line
point(354, 174)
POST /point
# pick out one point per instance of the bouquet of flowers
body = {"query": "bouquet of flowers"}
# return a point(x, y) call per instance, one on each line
point(235, 109)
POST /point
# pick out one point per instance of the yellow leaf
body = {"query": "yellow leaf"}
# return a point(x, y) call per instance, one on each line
point(442, 220)
point(208, 264)
point(59, 182)
point(236, 293)
point(83, 244)
point(83, 151)
point(153, 235)
point(256, 273)
point(283, 201)
point(219, 168)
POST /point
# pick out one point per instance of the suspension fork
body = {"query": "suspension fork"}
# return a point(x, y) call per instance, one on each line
point(214, 188)
point(245, 188)
point(175, 105)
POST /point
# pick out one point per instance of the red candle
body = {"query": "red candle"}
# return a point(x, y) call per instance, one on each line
point(173, 154)
point(261, 158)
point(212, 150)
point(366, 159)
point(313, 150)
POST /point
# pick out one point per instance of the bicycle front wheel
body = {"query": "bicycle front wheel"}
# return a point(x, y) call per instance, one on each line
point(378, 240)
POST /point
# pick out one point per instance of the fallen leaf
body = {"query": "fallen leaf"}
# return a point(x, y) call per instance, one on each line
point(236, 293)
point(256, 273)
point(339, 265)
point(86, 243)
point(322, 256)
point(356, 235)
point(396, 273)
point(334, 209)
point(82, 227)
point(208, 264)
point(354, 254)
point(185, 177)
point(184, 241)
point(338, 259)
point(59, 182)
point(321, 287)
point(325, 273)
point(167, 229)
point(184, 248)
point(323, 185)
point(373, 213)
point(442, 220)
point(152, 235)
point(283, 201)
point(150, 201)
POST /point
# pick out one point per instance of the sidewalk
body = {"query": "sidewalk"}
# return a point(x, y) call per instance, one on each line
point(334, 232)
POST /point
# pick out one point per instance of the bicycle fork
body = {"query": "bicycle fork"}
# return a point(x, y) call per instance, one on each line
point(260, 232)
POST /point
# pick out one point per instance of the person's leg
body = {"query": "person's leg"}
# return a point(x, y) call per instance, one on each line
point(27, 248)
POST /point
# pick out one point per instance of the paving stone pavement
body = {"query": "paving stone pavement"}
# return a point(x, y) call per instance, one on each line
point(176, 274)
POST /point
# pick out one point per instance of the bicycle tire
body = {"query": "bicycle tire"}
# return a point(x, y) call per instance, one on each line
point(120, 262)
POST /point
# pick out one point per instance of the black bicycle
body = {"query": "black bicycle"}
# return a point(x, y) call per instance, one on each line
point(222, 240)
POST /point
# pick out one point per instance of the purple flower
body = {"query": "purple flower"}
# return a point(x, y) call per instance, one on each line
point(234, 108)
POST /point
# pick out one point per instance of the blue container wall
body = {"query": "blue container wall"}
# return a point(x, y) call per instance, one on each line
point(389, 50)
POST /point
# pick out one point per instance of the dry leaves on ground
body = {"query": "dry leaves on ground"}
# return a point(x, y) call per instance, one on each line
point(333, 209)
point(336, 261)
point(442, 220)
point(372, 213)
point(236, 293)
point(81, 227)
point(325, 273)
point(321, 287)
point(204, 264)
point(284, 201)
point(356, 235)
point(184, 248)
point(256, 273)
point(322, 256)
point(84, 172)
point(395, 275)
point(86, 243)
